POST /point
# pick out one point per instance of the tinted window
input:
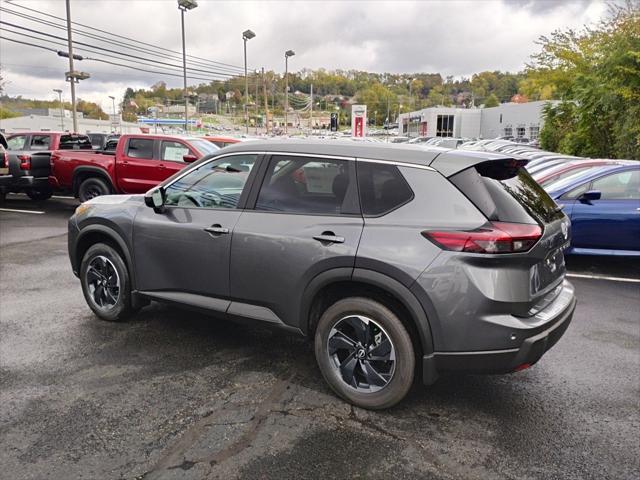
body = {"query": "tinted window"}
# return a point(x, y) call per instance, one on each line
point(204, 146)
point(382, 188)
point(217, 184)
point(504, 191)
point(304, 185)
point(40, 142)
point(173, 151)
point(140, 148)
point(111, 145)
point(97, 141)
point(17, 142)
point(619, 186)
point(75, 142)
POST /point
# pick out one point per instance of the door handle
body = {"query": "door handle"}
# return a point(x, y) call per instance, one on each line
point(329, 237)
point(216, 229)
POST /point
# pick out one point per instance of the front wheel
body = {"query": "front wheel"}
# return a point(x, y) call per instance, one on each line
point(92, 187)
point(105, 283)
point(365, 353)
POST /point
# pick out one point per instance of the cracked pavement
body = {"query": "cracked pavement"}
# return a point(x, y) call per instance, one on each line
point(177, 395)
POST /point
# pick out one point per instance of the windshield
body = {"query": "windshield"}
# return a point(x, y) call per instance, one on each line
point(205, 147)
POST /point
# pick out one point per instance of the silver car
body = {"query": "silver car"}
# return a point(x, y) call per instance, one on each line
point(395, 261)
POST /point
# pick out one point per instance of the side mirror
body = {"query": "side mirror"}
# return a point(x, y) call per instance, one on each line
point(587, 197)
point(155, 199)
point(189, 158)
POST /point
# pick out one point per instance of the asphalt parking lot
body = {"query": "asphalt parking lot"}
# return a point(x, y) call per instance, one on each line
point(176, 395)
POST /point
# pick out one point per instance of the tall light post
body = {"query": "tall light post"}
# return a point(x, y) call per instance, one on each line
point(71, 71)
point(287, 54)
point(246, 35)
point(183, 6)
point(59, 92)
point(113, 117)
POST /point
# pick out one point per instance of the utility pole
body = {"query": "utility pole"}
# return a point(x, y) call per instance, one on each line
point(72, 80)
point(183, 6)
point(113, 117)
point(256, 99)
point(59, 92)
point(266, 102)
point(246, 35)
point(287, 54)
point(311, 110)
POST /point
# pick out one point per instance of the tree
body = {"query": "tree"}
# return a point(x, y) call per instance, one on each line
point(491, 101)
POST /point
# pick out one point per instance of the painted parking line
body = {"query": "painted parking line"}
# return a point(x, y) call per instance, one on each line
point(37, 212)
point(602, 277)
point(62, 196)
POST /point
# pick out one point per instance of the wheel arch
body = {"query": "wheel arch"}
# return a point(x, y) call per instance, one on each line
point(81, 173)
point(332, 285)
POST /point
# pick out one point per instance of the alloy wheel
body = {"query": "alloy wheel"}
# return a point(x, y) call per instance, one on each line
point(361, 353)
point(103, 282)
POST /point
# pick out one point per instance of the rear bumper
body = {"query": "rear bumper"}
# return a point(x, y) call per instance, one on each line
point(528, 353)
point(25, 182)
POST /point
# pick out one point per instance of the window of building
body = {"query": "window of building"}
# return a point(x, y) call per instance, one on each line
point(218, 184)
point(444, 126)
point(534, 132)
point(304, 185)
point(140, 148)
point(382, 188)
point(520, 132)
point(508, 131)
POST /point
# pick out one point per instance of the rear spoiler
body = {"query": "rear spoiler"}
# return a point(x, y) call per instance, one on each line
point(454, 161)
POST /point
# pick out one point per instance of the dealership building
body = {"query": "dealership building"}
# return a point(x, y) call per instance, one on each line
point(520, 120)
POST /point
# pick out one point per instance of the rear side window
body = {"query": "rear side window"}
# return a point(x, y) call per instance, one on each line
point(503, 191)
point(382, 188)
point(75, 142)
point(140, 148)
point(305, 185)
point(40, 142)
point(16, 142)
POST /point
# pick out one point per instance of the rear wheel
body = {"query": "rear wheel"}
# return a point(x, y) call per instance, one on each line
point(93, 187)
point(39, 194)
point(105, 283)
point(365, 353)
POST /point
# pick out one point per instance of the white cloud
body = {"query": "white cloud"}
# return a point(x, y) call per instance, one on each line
point(451, 37)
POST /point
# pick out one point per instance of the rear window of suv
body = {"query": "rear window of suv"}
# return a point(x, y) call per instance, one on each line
point(504, 191)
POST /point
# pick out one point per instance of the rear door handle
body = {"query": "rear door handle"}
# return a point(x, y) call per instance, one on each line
point(216, 229)
point(329, 237)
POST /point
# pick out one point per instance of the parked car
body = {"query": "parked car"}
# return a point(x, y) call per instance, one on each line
point(566, 169)
point(139, 162)
point(29, 160)
point(603, 204)
point(221, 141)
point(383, 255)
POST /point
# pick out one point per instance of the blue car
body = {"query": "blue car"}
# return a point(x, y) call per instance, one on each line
point(603, 204)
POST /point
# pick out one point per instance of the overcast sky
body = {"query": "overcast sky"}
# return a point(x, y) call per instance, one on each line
point(451, 37)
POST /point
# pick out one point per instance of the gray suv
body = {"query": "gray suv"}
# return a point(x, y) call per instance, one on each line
point(396, 261)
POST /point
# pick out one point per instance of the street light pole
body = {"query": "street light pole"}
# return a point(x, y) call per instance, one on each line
point(113, 103)
point(287, 54)
point(183, 6)
point(246, 35)
point(72, 80)
point(59, 92)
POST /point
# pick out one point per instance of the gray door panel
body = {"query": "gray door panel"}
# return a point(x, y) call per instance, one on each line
point(274, 256)
point(173, 252)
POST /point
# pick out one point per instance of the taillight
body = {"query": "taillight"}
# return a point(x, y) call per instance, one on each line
point(5, 159)
point(25, 162)
point(494, 237)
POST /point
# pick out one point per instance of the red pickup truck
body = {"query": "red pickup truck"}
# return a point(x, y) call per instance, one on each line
point(139, 163)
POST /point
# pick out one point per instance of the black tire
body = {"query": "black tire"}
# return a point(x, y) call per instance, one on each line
point(93, 187)
point(122, 307)
point(401, 378)
point(39, 195)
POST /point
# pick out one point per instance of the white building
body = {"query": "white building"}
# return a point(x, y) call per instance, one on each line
point(521, 120)
point(34, 123)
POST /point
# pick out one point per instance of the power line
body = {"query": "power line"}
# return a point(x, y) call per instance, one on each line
point(211, 72)
point(100, 38)
point(128, 38)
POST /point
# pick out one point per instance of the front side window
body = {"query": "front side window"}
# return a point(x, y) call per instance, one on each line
point(16, 142)
point(305, 185)
point(382, 188)
point(217, 184)
point(173, 151)
point(40, 142)
point(140, 148)
point(619, 186)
